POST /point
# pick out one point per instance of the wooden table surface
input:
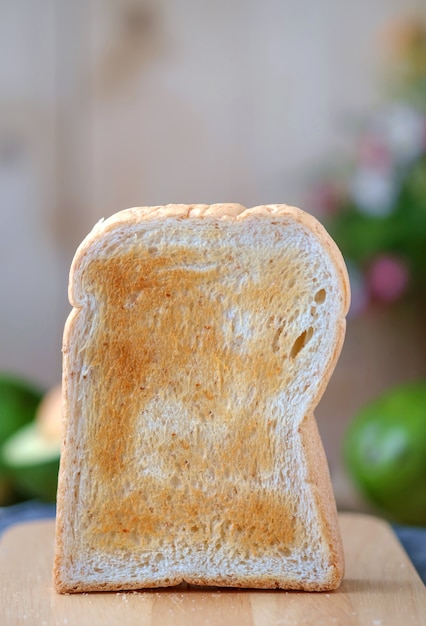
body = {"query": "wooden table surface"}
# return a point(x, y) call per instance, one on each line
point(381, 587)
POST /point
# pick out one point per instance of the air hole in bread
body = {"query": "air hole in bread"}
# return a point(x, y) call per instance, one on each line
point(301, 342)
point(320, 296)
point(272, 424)
point(293, 316)
point(276, 339)
point(175, 481)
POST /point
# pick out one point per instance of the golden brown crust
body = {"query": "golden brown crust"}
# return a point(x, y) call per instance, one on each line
point(319, 478)
point(152, 364)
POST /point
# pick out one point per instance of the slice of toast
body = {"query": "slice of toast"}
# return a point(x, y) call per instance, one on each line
point(200, 342)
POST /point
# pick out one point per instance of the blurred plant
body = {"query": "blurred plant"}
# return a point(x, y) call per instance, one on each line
point(377, 215)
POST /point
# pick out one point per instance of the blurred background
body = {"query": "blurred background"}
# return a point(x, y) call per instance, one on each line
point(109, 104)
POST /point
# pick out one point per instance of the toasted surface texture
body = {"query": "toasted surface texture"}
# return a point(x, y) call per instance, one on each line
point(200, 342)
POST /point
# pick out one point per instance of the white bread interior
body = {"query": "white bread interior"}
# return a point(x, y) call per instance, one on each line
point(201, 340)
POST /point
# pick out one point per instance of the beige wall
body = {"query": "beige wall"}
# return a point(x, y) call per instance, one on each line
point(107, 104)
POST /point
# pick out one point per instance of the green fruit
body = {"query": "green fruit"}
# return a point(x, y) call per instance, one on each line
point(32, 461)
point(385, 453)
point(18, 404)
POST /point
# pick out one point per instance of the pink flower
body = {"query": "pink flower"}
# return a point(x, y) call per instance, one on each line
point(325, 197)
point(388, 278)
point(374, 153)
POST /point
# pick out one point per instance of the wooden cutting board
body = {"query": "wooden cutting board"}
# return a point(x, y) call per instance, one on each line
point(381, 587)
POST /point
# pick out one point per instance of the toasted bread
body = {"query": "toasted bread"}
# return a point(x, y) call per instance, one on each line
point(200, 342)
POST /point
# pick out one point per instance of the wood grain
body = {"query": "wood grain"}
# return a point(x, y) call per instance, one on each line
point(381, 587)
